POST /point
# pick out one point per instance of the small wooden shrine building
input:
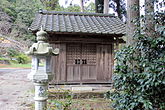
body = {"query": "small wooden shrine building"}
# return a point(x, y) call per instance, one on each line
point(86, 42)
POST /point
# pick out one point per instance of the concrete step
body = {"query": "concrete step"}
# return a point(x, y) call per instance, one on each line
point(81, 87)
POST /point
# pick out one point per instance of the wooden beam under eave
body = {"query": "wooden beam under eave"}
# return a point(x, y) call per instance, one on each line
point(80, 33)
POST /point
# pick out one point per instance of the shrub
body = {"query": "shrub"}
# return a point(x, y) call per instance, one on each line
point(139, 79)
point(10, 11)
point(22, 59)
point(64, 104)
point(17, 57)
point(12, 52)
point(4, 60)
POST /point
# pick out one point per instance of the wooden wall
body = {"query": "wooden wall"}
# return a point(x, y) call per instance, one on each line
point(102, 72)
point(59, 64)
point(104, 62)
point(99, 73)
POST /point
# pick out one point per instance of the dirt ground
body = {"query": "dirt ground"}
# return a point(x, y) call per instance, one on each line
point(16, 93)
point(15, 89)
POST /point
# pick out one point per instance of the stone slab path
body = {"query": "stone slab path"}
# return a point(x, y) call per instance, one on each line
point(15, 89)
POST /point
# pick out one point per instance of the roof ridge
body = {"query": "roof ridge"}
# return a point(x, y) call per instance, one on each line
point(75, 13)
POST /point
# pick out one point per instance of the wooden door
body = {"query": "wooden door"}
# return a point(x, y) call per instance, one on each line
point(73, 62)
point(88, 66)
point(81, 62)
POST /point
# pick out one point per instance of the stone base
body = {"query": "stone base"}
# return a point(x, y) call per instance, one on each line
point(77, 91)
point(79, 88)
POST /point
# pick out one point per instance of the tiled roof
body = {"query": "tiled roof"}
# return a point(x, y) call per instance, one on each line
point(73, 22)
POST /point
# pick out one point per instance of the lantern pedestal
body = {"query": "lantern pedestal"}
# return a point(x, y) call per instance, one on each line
point(41, 96)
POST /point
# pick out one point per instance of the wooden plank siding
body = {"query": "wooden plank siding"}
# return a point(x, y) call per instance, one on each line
point(73, 73)
point(59, 63)
point(104, 62)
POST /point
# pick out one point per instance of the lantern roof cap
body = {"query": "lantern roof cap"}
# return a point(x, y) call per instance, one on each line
point(42, 48)
point(41, 32)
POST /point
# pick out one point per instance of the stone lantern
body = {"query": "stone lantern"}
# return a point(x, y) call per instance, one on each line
point(41, 73)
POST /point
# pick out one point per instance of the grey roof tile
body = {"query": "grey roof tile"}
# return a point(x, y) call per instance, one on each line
point(73, 22)
point(56, 27)
point(80, 23)
point(68, 24)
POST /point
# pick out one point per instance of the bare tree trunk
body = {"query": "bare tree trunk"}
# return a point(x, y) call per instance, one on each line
point(99, 5)
point(106, 6)
point(149, 21)
point(132, 19)
point(81, 6)
point(118, 10)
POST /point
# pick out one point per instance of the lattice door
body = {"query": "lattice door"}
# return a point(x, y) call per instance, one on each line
point(73, 54)
point(81, 54)
point(81, 62)
point(88, 54)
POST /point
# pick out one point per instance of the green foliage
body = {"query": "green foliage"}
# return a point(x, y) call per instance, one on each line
point(11, 0)
point(30, 37)
point(74, 8)
point(8, 7)
point(10, 12)
point(19, 57)
point(16, 65)
point(22, 59)
point(1, 58)
point(5, 60)
point(61, 105)
point(50, 4)
point(139, 78)
point(26, 10)
point(22, 13)
point(12, 52)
